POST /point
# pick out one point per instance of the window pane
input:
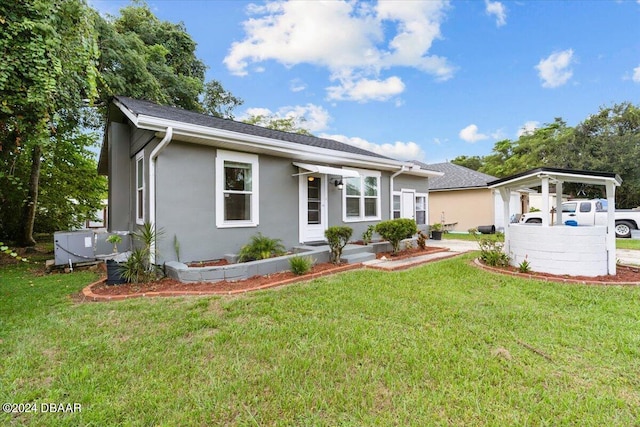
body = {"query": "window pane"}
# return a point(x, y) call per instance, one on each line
point(371, 186)
point(353, 206)
point(237, 176)
point(396, 214)
point(140, 165)
point(237, 207)
point(140, 204)
point(313, 189)
point(569, 207)
point(420, 217)
point(396, 203)
point(313, 214)
point(370, 207)
point(420, 203)
point(585, 207)
point(353, 186)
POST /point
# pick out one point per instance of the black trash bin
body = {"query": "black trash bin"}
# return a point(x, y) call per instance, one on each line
point(114, 273)
point(487, 229)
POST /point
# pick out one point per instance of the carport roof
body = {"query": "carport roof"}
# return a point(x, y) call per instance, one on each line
point(532, 178)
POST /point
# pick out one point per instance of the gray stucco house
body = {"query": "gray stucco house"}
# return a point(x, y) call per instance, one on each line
point(212, 183)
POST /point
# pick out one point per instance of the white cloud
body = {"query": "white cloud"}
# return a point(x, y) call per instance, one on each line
point(297, 85)
point(496, 8)
point(313, 118)
point(398, 150)
point(471, 134)
point(636, 71)
point(555, 70)
point(528, 128)
point(364, 90)
point(348, 38)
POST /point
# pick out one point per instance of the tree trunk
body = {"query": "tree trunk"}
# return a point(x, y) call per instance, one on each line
point(29, 209)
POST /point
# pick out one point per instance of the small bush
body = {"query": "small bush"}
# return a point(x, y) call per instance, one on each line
point(524, 266)
point(422, 240)
point(491, 251)
point(337, 237)
point(261, 247)
point(301, 265)
point(394, 230)
point(367, 235)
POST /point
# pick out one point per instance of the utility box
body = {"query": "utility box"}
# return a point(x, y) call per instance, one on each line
point(73, 246)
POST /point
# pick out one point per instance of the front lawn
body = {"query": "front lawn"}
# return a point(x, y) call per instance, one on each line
point(442, 344)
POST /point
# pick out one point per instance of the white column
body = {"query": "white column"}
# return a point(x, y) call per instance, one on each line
point(559, 203)
point(505, 195)
point(611, 227)
point(545, 201)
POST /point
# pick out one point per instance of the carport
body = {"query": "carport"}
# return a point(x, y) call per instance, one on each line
point(555, 247)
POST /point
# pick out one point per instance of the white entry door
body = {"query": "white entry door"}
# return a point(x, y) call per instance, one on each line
point(313, 207)
point(408, 206)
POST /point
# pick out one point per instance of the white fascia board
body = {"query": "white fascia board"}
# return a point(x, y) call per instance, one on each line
point(277, 146)
point(130, 115)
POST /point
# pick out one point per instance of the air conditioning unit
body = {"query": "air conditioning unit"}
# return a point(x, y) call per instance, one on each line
point(73, 246)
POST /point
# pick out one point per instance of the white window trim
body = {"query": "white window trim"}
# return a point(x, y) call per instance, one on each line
point(361, 218)
point(399, 194)
point(426, 208)
point(140, 219)
point(221, 157)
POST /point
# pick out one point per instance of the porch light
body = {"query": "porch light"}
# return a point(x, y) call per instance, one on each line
point(311, 178)
point(338, 184)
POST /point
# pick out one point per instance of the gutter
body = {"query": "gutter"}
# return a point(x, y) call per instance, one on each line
point(152, 184)
point(403, 168)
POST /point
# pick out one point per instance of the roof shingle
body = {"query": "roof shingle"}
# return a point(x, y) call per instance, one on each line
point(456, 177)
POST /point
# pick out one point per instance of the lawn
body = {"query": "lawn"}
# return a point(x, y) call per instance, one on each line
point(442, 344)
point(620, 243)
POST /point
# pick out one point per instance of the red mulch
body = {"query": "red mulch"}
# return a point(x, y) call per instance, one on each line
point(171, 285)
point(624, 275)
point(408, 253)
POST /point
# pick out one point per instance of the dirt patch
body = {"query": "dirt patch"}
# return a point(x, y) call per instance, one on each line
point(625, 275)
point(212, 263)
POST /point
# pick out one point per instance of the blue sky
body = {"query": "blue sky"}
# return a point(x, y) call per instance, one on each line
point(427, 80)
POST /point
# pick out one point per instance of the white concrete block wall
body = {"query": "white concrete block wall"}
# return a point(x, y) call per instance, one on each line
point(574, 251)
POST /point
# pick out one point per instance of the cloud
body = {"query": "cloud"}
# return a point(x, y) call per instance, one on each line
point(297, 85)
point(372, 37)
point(398, 150)
point(313, 118)
point(496, 8)
point(528, 128)
point(636, 71)
point(555, 70)
point(470, 134)
point(364, 90)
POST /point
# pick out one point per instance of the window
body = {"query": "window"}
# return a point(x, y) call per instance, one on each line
point(236, 189)
point(362, 197)
point(314, 205)
point(421, 210)
point(585, 207)
point(140, 188)
point(569, 207)
point(396, 205)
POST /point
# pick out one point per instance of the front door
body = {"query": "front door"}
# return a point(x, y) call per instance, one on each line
point(408, 208)
point(313, 207)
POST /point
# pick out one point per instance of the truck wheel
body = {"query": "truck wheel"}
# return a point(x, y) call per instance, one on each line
point(534, 221)
point(623, 229)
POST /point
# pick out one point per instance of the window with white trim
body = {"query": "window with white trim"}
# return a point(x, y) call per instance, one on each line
point(396, 205)
point(361, 201)
point(140, 188)
point(236, 189)
point(421, 209)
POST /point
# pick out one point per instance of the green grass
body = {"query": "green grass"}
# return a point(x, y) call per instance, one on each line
point(442, 344)
point(620, 243)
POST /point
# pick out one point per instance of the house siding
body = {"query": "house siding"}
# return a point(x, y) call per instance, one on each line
point(119, 177)
point(467, 208)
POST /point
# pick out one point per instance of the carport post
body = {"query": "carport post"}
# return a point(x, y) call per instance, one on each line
point(611, 227)
point(505, 195)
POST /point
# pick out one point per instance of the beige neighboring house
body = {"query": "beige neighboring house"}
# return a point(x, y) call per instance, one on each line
point(461, 199)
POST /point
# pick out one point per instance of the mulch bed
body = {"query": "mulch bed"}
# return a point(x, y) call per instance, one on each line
point(409, 253)
point(625, 275)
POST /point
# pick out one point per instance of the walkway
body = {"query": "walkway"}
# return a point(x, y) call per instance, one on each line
point(456, 247)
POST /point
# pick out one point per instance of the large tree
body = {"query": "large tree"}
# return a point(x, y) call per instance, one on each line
point(47, 72)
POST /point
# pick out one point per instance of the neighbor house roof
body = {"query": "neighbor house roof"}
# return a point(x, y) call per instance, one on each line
point(455, 177)
point(190, 126)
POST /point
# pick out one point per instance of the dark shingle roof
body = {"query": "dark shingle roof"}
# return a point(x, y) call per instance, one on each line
point(456, 177)
point(140, 107)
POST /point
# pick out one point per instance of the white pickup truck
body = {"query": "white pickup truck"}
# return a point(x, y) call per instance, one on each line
point(591, 212)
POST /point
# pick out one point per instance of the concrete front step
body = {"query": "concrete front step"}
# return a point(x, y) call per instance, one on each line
point(355, 258)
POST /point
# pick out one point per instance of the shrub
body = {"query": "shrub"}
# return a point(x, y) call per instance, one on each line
point(367, 235)
point(394, 230)
point(337, 237)
point(491, 251)
point(139, 267)
point(422, 240)
point(524, 266)
point(261, 247)
point(301, 265)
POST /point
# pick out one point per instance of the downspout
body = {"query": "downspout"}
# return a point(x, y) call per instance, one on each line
point(402, 169)
point(152, 185)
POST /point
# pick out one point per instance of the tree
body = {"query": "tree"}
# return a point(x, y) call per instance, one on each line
point(286, 124)
point(471, 162)
point(219, 102)
point(48, 70)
